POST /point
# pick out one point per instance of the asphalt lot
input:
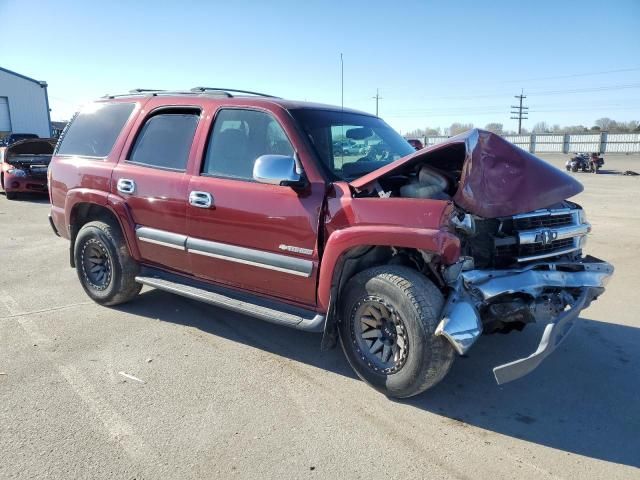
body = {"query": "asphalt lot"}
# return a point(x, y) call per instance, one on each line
point(228, 396)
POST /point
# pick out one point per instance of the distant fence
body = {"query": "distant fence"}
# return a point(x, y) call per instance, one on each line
point(569, 142)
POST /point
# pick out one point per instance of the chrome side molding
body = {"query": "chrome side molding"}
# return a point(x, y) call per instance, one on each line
point(248, 256)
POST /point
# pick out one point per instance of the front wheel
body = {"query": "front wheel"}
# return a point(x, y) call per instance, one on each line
point(388, 318)
point(106, 270)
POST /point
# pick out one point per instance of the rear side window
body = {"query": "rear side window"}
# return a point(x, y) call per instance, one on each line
point(94, 130)
point(165, 140)
point(238, 138)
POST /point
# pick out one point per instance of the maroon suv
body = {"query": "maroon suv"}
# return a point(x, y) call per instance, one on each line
point(241, 200)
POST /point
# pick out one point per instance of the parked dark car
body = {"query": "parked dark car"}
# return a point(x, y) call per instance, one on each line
point(415, 143)
point(404, 257)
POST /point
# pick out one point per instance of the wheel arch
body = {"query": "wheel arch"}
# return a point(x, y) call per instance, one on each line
point(101, 206)
point(353, 250)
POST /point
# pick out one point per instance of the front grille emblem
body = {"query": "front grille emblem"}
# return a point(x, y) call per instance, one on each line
point(547, 236)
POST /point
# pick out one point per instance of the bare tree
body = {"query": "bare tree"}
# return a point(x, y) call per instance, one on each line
point(457, 128)
point(541, 127)
point(604, 123)
point(424, 132)
point(494, 127)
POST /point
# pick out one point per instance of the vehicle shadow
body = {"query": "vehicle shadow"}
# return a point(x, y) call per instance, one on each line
point(584, 399)
point(286, 342)
point(30, 197)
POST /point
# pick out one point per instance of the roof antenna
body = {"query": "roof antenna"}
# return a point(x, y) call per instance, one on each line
point(341, 82)
point(341, 107)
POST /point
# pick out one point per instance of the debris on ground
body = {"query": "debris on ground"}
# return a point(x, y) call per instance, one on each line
point(131, 377)
point(630, 173)
point(149, 360)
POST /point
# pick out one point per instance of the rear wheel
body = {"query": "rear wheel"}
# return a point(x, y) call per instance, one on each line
point(105, 269)
point(388, 318)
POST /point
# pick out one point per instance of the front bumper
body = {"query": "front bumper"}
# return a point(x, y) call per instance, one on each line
point(13, 183)
point(461, 323)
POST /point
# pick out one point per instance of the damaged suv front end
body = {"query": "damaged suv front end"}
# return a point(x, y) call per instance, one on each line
point(533, 273)
point(521, 258)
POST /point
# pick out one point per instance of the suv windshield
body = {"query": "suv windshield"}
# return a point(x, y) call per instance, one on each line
point(351, 145)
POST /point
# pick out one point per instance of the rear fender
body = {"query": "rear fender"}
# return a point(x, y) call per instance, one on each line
point(114, 204)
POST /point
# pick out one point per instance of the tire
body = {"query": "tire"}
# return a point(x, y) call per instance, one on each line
point(11, 195)
point(100, 248)
point(413, 305)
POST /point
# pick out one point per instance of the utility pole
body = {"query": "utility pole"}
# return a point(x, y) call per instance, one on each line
point(378, 98)
point(520, 111)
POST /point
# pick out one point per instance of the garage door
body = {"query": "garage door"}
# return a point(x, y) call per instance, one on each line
point(5, 120)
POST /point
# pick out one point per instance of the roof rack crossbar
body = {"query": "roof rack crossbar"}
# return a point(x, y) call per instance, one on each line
point(232, 90)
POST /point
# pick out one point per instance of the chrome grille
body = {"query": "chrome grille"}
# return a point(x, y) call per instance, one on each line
point(543, 234)
point(549, 221)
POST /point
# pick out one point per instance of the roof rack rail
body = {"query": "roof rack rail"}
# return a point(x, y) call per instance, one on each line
point(228, 91)
point(194, 91)
point(145, 90)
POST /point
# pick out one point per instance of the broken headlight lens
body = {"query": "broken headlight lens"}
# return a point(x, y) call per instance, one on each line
point(582, 216)
point(17, 172)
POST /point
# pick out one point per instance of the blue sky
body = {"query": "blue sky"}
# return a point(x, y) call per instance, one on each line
point(434, 62)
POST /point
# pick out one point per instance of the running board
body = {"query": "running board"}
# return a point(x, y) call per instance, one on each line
point(270, 311)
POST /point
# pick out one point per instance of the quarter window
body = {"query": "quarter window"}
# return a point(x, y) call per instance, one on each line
point(165, 140)
point(238, 138)
point(94, 129)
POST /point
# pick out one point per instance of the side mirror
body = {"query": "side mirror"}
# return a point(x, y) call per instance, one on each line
point(277, 170)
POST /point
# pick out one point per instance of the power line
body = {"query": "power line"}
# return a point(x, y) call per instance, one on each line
point(485, 113)
point(544, 92)
point(521, 111)
point(573, 75)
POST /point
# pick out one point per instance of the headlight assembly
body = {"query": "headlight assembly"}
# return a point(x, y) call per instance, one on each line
point(17, 172)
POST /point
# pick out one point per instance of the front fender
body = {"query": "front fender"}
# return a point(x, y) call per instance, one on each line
point(439, 242)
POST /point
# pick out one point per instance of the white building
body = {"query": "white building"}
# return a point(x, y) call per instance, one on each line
point(24, 105)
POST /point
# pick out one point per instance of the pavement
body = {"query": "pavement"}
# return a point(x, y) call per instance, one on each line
point(165, 387)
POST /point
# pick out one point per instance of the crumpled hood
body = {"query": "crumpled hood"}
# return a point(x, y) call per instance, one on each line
point(497, 178)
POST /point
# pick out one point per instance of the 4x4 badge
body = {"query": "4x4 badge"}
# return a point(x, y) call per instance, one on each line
point(289, 248)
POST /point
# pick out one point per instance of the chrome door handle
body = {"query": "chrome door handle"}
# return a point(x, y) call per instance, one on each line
point(126, 186)
point(200, 199)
